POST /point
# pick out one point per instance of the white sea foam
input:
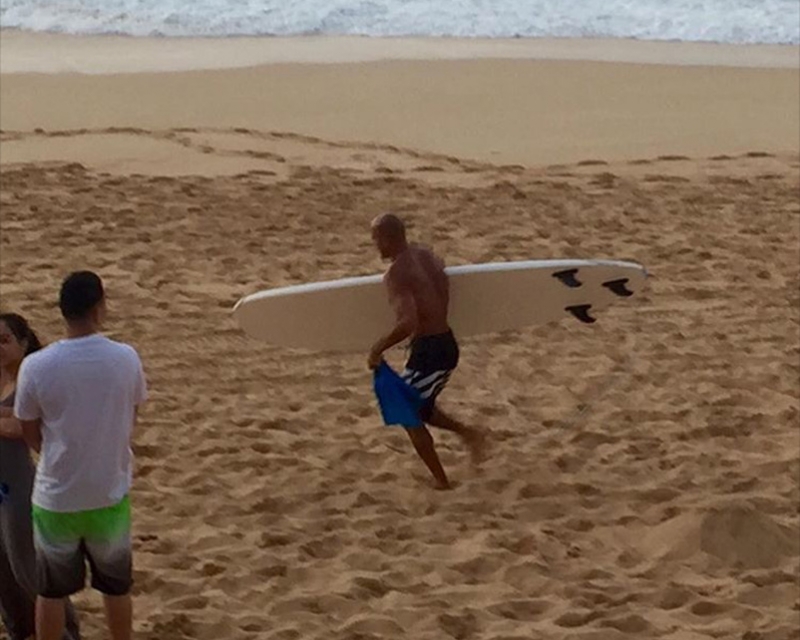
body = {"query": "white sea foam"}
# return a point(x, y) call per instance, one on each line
point(728, 21)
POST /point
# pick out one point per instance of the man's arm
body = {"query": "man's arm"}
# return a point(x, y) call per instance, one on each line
point(141, 392)
point(32, 433)
point(26, 407)
point(441, 278)
point(405, 308)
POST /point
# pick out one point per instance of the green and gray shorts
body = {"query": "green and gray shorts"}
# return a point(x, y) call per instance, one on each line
point(64, 542)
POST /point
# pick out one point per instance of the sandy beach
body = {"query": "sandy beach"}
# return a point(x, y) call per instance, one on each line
point(643, 473)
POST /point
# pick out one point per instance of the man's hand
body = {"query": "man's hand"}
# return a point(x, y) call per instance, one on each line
point(375, 357)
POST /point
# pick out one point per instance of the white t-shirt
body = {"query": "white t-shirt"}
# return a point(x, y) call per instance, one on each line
point(85, 391)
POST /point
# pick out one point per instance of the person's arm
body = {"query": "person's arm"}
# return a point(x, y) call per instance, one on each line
point(26, 407)
point(32, 434)
point(10, 427)
point(140, 389)
point(441, 278)
point(405, 308)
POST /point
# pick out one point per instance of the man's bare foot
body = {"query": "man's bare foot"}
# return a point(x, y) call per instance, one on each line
point(476, 443)
point(432, 483)
point(442, 486)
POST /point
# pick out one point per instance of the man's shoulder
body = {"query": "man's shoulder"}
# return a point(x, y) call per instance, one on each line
point(426, 252)
point(398, 272)
point(42, 356)
point(122, 348)
point(427, 257)
point(418, 247)
point(37, 364)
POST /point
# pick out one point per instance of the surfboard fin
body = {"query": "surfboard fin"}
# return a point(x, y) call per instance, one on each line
point(568, 278)
point(581, 312)
point(618, 287)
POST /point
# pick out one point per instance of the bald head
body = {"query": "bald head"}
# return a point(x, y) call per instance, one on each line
point(389, 234)
point(389, 225)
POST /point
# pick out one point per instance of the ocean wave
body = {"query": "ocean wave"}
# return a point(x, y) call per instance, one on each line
point(728, 21)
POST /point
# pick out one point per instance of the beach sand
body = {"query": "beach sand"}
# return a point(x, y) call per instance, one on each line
point(643, 473)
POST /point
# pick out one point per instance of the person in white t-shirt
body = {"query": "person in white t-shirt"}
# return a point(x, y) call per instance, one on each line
point(77, 401)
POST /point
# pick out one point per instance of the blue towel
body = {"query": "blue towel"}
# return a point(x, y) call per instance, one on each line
point(399, 402)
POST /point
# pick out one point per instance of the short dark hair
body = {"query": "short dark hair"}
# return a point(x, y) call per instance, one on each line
point(81, 292)
point(22, 331)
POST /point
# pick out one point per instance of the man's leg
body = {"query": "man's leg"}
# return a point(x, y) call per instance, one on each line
point(423, 444)
point(50, 618)
point(474, 439)
point(110, 556)
point(119, 615)
point(73, 628)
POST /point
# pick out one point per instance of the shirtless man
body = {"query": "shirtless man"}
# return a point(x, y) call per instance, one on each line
point(418, 291)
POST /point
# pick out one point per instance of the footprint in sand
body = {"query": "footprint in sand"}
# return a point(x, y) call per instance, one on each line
point(525, 610)
point(459, 626)
point(674, 598)
point(366, 588)
point(633, 624)
point(173, 626)
point(708, 608)
point(665, 178)
point(323, 548)
point(365, 626)
point(572, 619)
point(286, 634)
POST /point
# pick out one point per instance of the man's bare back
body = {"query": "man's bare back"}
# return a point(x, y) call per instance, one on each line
point(419, 273)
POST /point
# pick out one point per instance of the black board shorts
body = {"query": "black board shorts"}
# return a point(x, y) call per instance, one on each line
point(430, 363)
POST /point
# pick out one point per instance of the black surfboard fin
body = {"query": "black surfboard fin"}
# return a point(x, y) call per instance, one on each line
point(568, 278)
point(618, 287)
point(581, 312)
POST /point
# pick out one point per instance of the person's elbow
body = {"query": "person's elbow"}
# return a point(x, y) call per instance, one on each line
point(10, 428)
point(32, 434)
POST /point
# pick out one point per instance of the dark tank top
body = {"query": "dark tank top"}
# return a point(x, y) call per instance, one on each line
point(16, 467)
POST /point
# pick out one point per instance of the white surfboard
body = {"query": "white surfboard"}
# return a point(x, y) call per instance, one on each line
point(350, 314)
